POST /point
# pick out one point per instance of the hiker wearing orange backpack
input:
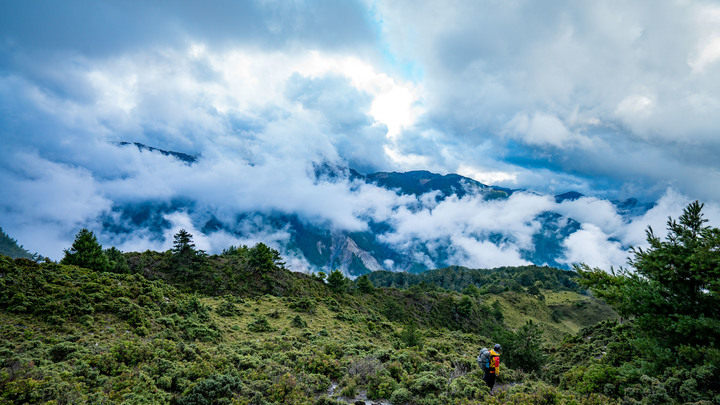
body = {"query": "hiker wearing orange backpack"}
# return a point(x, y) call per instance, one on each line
point(490, 363)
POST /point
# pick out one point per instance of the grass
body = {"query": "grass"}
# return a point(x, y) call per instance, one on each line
point(74, 336)
point(560, 314)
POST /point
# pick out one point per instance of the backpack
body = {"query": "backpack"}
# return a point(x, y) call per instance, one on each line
point(484, 359)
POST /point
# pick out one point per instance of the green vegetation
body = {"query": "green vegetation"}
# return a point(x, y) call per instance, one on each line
point(496, 280)
point(184, 327)
point(669, 351)
point(86, 252)
point(10, 247)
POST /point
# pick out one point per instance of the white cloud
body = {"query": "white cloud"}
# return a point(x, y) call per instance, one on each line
point(583, 96)
point(474, 253)
point(488, 177)
point(467, 223)
point(707, 55)
point(590, 245)
point(635, 105)
point(545, 129)
point(592, 84)
point(671, 204)
point(599, 213)
point(46, 203)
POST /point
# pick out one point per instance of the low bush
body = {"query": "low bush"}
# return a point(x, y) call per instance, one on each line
point(218, 389)
point(260, 324)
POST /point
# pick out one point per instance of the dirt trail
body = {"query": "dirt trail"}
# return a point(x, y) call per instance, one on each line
point(503, 387)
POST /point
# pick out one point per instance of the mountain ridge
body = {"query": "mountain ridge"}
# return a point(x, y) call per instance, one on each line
point(317, 245)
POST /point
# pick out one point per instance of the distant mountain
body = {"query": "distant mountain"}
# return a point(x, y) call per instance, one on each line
point(323, 247)
point(421, 182)
point(189, 159)
point(632, 207)
point(357, 253)
point(570, 195)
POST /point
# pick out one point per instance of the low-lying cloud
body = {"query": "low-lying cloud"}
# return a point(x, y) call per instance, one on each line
point(607, 100)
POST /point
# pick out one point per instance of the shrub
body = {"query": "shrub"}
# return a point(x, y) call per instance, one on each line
point(427, 382)
point(260, 324)
point(401, 396)
point(298, 322)
point(196, 329)
point(393, 311)
point(86, 320)
point(381, 386)
point(318, 382)
point(193, 307)
point(227, 309)
point(304, 304)
point(349, 389)
point(468, 387)
point(411, 336)
point(650, 391)
point(61, 351)
point(364, 369)
point(248, 362)
point(218, 389)
point(287, 390)
point(131, 353)
point(321, 363)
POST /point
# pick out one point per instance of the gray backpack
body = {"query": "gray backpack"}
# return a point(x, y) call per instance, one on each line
point(484, 359)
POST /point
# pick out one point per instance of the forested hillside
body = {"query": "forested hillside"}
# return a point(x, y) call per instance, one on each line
point(10, 247)
point(183, 327)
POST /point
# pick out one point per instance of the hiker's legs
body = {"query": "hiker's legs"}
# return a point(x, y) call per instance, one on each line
point(489, 379)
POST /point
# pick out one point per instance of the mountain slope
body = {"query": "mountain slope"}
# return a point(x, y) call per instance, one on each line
point(10, 247)
point(388, 231)
point(421, 182)
point(268, 335)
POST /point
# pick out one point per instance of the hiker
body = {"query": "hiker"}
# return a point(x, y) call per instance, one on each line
point(490, 364)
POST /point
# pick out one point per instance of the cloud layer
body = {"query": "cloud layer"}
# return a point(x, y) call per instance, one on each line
point(607, 99)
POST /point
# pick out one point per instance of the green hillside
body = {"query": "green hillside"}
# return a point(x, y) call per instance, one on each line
point(238, 332)
point(182, 327)
point(10, 247)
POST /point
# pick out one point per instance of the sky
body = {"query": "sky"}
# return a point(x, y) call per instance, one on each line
point(612, 99)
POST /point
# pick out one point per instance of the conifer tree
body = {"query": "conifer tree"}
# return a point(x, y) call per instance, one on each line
point(118, 263)
point(263, 259)
point(86, 252)
point(674, 292)
point(183, 244)
point(365, 285)
point(188, 261)
point(336, 281)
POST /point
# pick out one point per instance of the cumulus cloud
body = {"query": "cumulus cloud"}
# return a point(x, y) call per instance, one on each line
point(544, 129)
point(600, 213)
point(599, 84)
point(467, 225)
point(605, 99)
point(52, 197)
point(590, 245)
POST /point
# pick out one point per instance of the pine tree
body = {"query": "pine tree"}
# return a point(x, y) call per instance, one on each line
point(411, 336)
point(183, 244)
point(523, 348)
point(86, 252)
point(263, 259)
point(336, 281)
point(188, 261)
point(365, 285)
point(118, 263)
point(674, 292)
